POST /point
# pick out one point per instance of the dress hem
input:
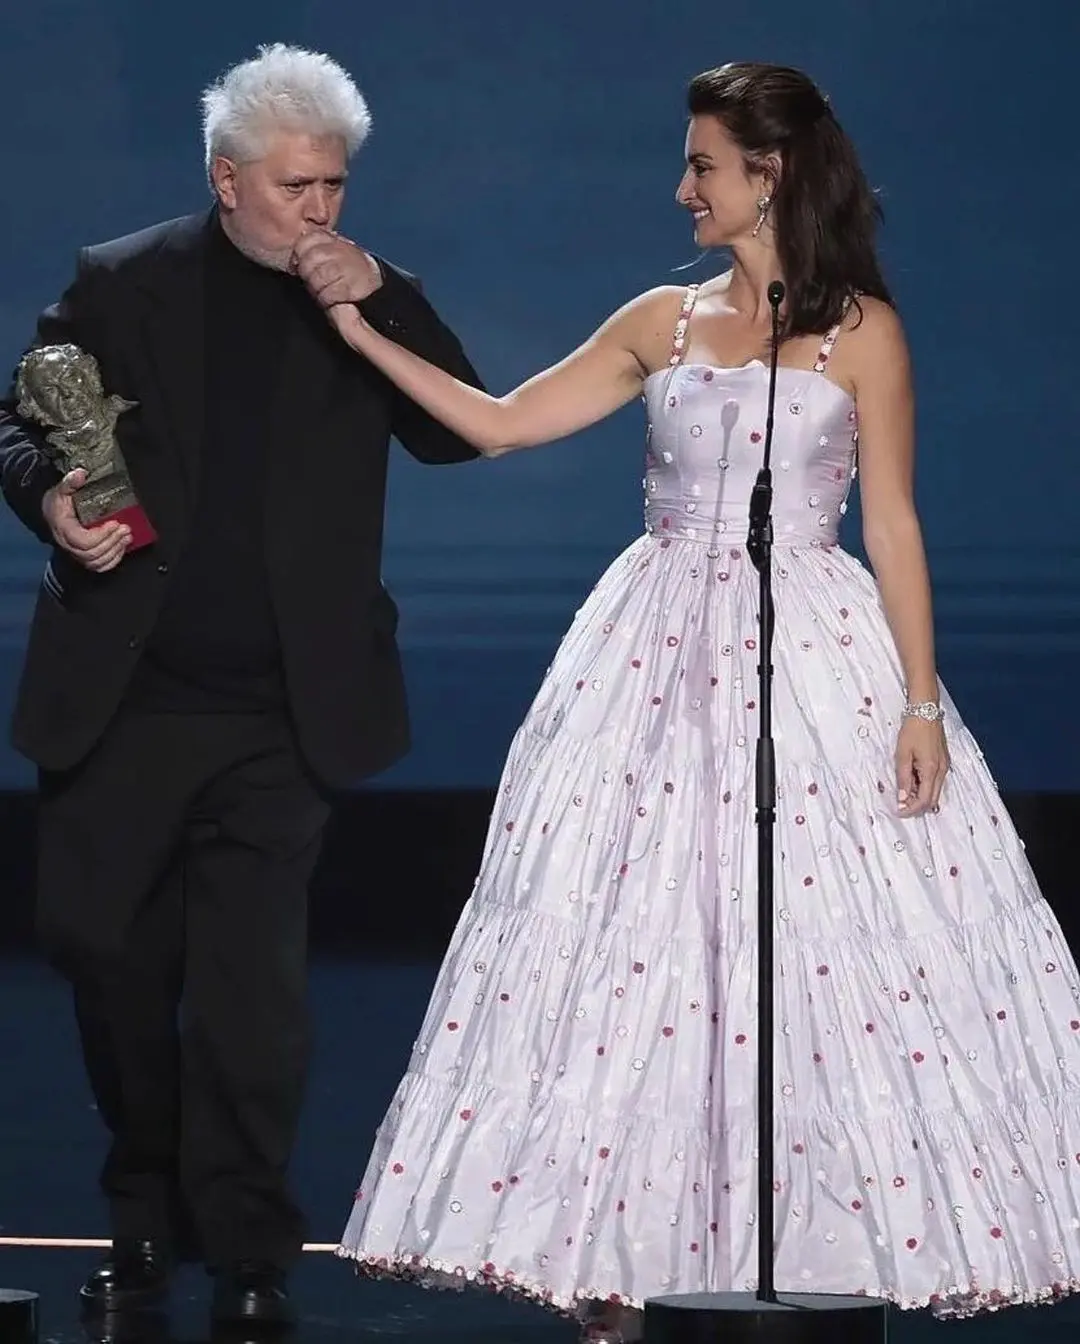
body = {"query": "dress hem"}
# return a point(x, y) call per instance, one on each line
point(438, 1275)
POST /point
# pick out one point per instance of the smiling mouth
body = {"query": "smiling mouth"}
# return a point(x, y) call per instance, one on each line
point(699, 215)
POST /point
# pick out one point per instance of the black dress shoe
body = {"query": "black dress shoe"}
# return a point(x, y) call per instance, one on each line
point(134, 1276)
point(252, 1292)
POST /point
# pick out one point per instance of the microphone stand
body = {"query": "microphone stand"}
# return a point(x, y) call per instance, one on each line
point(763, 1317)
point(759, 546)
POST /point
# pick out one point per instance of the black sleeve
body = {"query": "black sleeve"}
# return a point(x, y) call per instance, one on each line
point(399, 311)
point(26, 472)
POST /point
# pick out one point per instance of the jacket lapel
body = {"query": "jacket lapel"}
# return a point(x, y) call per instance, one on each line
point(174, 334)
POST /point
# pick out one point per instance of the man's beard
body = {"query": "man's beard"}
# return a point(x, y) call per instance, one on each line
point(274, 259)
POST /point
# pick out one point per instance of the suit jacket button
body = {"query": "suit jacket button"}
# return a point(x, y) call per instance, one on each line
point(134, 642)
point(163, 568)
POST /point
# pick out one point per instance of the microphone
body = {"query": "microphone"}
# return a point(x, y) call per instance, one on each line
point(759, 540)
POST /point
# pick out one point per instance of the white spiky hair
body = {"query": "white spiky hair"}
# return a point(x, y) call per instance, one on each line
point(282, 87)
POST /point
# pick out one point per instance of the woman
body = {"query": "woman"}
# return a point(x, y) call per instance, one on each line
point(577, 1123)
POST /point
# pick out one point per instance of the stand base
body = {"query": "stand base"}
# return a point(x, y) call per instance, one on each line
point(739, 1318)
point(18, 1317)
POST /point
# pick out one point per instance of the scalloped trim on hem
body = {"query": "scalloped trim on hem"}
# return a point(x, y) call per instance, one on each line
point(439, 1275)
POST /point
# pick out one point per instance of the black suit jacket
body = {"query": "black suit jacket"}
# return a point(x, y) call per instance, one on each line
point(136, 304)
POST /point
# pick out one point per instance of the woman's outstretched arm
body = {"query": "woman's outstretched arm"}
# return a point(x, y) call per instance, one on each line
point(603, 374)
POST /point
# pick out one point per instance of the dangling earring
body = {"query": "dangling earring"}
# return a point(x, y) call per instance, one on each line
point(763, 203)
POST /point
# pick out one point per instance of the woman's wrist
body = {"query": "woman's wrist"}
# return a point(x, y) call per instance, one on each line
point(929, 711)
point(923, 689)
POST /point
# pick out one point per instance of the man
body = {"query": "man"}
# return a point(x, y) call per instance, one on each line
point(189, 703)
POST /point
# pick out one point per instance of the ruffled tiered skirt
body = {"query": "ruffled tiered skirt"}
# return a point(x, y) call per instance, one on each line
point(578, 1117)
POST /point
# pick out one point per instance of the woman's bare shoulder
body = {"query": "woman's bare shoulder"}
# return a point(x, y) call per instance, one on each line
point(645, 325)
point(874, 322)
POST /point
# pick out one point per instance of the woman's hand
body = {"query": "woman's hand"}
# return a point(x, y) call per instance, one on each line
point(922, 762)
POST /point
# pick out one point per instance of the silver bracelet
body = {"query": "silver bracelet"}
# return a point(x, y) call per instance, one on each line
point(928, 710)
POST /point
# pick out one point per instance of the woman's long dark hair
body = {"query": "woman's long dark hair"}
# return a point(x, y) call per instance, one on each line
point(823, 211)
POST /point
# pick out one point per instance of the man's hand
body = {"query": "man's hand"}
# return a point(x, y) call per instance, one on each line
point(334, 269)
point(96, 548)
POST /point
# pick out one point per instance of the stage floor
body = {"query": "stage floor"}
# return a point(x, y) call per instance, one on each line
point(366, 1016)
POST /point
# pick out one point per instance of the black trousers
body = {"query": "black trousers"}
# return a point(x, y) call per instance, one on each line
point(173, 872)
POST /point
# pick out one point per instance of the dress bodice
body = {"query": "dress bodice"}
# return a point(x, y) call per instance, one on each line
point(706, 435)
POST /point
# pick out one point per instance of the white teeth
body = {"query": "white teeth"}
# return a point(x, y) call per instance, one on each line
point(701, 214)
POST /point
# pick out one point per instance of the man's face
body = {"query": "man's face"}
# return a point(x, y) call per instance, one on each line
point(267, 205)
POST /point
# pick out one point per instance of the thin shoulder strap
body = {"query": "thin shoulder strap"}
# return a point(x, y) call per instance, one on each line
point(822, 361)
point(678, 339)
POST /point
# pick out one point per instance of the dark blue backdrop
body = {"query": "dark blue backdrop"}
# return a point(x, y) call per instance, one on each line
point(524, 162)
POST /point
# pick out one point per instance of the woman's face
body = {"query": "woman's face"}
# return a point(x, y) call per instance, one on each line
point(716, 187)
